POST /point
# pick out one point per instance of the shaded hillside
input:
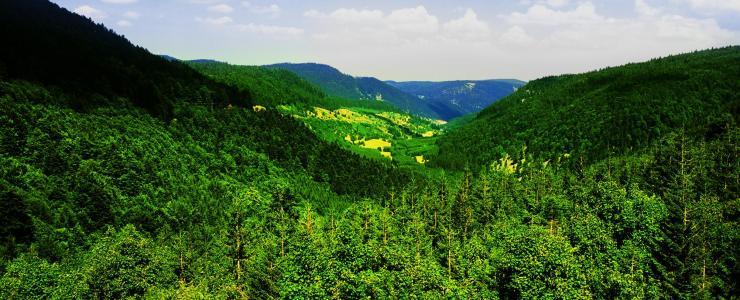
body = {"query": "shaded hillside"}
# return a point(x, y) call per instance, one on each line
point(451, 99)
point(337, 84)
point(93, 67)
point(379, 90)
point(606, 112)
point(268, 86)
point(330, 80)
point(47, 44)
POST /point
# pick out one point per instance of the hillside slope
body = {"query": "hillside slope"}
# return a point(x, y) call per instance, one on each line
point(358, 125)
point(606, 112)
point(451, 99)
point(47, 44)
point(268, 86)
point(329, 79)
point(337, 84)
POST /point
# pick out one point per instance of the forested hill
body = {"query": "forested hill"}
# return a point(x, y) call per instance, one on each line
point(607, 112)
point(329, 79)
point(451, 99)
point(47, 44)
point(104, 146)
point(374, 129)
point(267, 85)
point(338, 84)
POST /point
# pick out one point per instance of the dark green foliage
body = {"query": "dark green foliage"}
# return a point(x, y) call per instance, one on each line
point(609, 112)
point(268, 86)
point(124, 264)
point(701, 233)
point(121, 204)
point(94, 65)
point(330, 80)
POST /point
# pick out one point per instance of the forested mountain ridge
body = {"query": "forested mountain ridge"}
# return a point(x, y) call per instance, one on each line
point(451, 99)
point(98, 161)
point(270, 87)
point(45, 43)
point(329, 79)
point(337, 84)
point(608, 112)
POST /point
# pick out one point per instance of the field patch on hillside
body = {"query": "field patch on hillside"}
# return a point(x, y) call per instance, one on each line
point(371, 132)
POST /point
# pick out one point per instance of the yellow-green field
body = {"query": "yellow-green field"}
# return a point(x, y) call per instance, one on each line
point(394, 136)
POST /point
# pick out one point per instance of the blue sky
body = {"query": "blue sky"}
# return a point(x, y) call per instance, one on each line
point(423, 40)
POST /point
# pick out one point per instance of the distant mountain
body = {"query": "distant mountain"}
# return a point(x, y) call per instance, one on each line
point(168, 57)
point(374, 88)
point(337, 84)
point(329, 79)
point(204, 60)
point(450, 99)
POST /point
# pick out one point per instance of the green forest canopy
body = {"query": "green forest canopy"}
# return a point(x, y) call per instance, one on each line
point(103, 197)
point(606, 112)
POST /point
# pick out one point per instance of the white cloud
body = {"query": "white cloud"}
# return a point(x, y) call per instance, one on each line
point(131, 15)
point(405, 21)
point(645, 9)
point(272, 10)
point(274, 31)
point(271, 30)
point(91, 12)
point(587, 28)
point(124, 23)
point(351, 15)
point(551, 37)
point(557, 3)
point(412, 20)
point(584, 13)
point(581, 38)
point(120, 1)
point(715, 5)
point(221, 8)
point(215, 21)
point(468, 26)
point(516, 35)
point(312, 13)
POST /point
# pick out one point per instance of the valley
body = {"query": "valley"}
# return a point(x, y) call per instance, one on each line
point(371, 128)
point(130, 175)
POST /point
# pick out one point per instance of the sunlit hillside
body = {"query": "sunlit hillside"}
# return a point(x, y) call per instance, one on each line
point(374, 133)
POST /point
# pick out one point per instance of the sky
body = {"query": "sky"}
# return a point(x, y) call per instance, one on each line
point(423, 40)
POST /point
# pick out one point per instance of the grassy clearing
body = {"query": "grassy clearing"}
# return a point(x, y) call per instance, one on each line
point(372, 132)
